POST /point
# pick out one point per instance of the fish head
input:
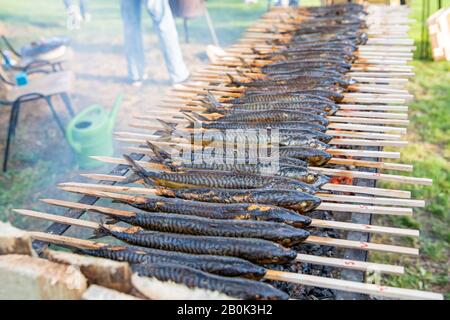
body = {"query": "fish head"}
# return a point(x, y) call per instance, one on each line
point(309, 203)
point(318, 145)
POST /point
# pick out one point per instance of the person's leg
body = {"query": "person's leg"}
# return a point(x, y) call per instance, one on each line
point(84, 9)
point(67, 3)
point(294, 3)
point(134, 51)
point(164, 25)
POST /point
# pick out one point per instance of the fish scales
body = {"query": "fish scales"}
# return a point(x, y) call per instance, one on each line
point(175, 223)
point(256, 250)
point(235, 211)
point(215, 179)
point(287, 125)
point(192, 278)
point(300, 201)
point(273, 116)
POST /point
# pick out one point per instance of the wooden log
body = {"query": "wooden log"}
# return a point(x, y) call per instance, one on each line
point(29, 278)
point(103, 272)
point(14, 241)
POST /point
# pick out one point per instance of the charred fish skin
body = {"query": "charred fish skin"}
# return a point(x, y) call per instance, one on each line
point(173, 223)
point(314, 107)
point(303, 174)
point(303, 202)
point(255, 250)
point(224, 266)
point(192, 278)
point(312, 156)
point(291, 96)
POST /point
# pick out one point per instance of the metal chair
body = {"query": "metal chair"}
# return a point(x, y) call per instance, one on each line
point(43, 86)
point(26, 64)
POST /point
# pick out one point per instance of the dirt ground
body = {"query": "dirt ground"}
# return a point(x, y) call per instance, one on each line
point(100, 73)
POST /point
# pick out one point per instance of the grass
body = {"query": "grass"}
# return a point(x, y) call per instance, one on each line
point(429, 152)
point(429, 136)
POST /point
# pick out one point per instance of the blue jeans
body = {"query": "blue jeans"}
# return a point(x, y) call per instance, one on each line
point(81, 3)
point(164, 25)
point(292, 3)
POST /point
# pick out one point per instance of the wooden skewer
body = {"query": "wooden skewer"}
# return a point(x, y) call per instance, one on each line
point(303, 279)
point(335, 125)
point(328, 224)
point(323, 196)
point(341, 207)
point(364, 288)
point(366, 246)
point(328, 186)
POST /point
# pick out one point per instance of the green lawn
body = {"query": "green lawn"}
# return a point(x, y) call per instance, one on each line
point(429, 152)
point(429, 135)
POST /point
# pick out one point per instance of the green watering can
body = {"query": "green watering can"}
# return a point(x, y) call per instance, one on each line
point(90, 133)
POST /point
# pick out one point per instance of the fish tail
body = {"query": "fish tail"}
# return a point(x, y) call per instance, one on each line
point(140, 171)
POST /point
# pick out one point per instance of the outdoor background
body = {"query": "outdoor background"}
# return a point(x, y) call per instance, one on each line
point(41, 158)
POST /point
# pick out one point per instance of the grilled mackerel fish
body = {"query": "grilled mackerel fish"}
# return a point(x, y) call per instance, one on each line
point(231, 211)
point(192, 278)
point(224, 266)
point(291, 199)
point(256, 250)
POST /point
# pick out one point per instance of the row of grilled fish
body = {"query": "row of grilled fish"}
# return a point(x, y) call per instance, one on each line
point(213, 225)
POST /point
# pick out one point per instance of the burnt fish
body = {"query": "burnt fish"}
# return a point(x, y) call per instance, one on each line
point(256, 250)
point(184, 224)
point(215, 179)
point(192, 278)
point(224, 266)
point(299, 201)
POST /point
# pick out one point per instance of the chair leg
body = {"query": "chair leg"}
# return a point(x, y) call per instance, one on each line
point(11, 130)
point(212, 31)
point(186, 30)
point(68, 103)
point(55, 115)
